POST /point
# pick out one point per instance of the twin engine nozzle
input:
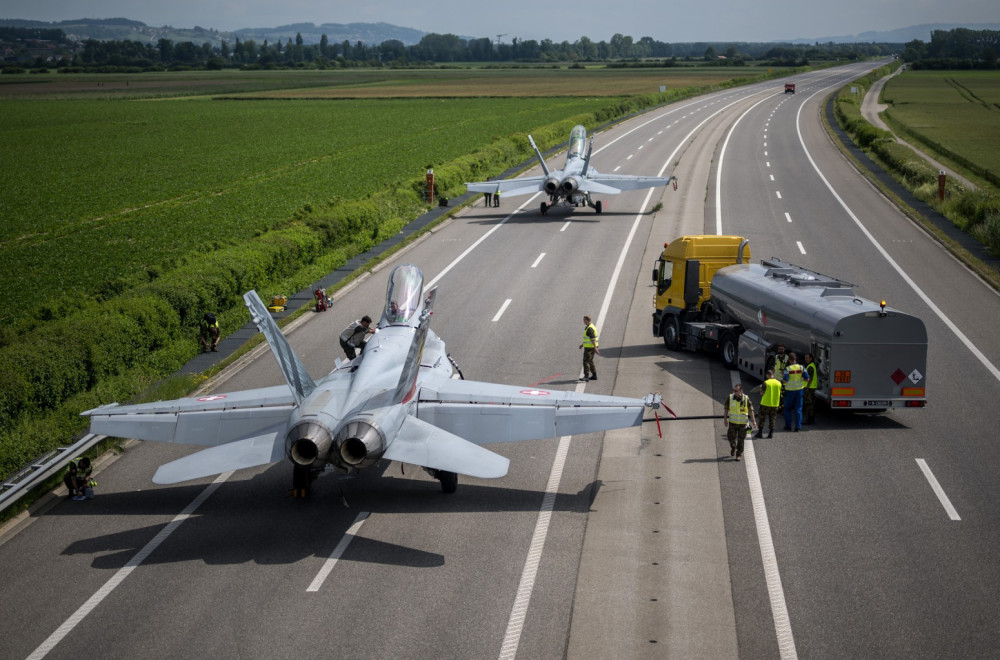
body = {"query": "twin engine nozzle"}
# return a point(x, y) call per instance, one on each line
point(358, 443)
point(567, 186)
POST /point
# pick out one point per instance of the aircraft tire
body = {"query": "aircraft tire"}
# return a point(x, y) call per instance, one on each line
point(598, 207)
point(544, 208)
point(449, 481)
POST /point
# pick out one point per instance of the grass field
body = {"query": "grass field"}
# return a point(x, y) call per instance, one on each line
point(100, 191)
point(955, 113)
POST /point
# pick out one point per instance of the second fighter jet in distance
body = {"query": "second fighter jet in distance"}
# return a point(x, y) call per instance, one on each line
point(575, 183)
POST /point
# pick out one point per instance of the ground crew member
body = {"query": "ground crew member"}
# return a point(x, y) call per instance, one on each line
point(589, 347)
point(739, 413)
point(770, 398)
point(352, 339)
point(496, 197)
point(794, 384)
point(77, 479)
point(780, 363)
point(208, 332)
point(812, 382)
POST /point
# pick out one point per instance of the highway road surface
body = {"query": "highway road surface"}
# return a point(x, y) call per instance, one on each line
point(865, 536)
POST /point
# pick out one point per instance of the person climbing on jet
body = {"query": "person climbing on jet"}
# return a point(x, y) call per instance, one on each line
point(352, 339)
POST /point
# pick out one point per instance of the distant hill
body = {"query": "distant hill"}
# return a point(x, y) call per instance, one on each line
point(119, 29)
point(369, 33)
point(900, 36)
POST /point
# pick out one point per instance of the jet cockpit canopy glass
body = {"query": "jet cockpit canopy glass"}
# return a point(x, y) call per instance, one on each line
point(402, 297)
point(577, 142)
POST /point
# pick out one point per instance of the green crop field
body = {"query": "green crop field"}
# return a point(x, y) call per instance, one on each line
point(97, 192)
point(955, 113)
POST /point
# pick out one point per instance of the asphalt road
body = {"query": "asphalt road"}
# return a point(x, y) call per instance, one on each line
point(653, 546)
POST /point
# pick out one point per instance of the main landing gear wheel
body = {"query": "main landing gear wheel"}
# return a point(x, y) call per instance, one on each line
point(545, 208)
point(598, 207)
point(449, 481)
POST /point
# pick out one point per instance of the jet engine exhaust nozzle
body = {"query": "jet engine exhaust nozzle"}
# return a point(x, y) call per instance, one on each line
point(308, 444)
point(551, 185)
point(569, 185)
point(360, 443)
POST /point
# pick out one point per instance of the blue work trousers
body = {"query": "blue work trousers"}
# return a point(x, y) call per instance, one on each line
point(793, 409)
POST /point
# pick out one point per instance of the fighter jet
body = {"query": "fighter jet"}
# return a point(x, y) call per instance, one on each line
point(402, 399)
point(575, 182)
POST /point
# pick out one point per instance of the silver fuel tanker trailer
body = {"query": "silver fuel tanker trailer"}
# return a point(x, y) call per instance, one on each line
point(709, 297)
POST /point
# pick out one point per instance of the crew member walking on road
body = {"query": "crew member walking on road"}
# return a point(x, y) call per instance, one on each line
point(352, 339)
point(739, 413)
point(770, 391)
point(589, 347)
point(794, 383)
point(208, 332)
point(77, 479)
point(812, 382)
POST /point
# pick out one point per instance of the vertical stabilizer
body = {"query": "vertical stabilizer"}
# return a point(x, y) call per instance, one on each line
point(295, 373)
point(539, 154)
point(411, 367)
point(586, 161)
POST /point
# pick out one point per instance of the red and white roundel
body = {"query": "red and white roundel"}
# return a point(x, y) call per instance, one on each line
point(535, 392)
point(214, 397)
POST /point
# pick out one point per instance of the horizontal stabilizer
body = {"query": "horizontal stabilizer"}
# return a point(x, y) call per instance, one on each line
point(249, 452)
point(420, 443)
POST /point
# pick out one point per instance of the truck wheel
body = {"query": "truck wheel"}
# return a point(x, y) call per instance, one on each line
point(729, 350)
point(670, 333)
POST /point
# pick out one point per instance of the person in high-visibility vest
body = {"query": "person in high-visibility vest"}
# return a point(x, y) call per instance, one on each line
point(739, 413)
point(780, 363)
point(770, 391)
point(589, 347)
point(208, 332)
point(795, 382)
point(812, 382)
point(78, 480)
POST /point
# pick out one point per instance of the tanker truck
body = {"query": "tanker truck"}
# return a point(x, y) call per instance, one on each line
point(710, 297)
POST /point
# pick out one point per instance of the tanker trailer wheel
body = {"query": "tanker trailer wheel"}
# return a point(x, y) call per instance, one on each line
point(729, 350)
point(671, 333)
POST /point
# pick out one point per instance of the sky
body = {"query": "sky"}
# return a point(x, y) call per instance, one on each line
point(559, 20)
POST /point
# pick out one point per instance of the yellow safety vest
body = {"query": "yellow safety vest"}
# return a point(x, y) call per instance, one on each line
point(780, 363)
point(587, 341)
point(772, 393)
point(739, 410)
point(794, 381)
point(812, 381)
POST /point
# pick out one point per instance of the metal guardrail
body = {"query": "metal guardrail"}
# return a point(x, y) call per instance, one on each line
point(21, 482)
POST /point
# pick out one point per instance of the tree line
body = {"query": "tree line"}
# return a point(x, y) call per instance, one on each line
point(432, 49)
point(959, 48)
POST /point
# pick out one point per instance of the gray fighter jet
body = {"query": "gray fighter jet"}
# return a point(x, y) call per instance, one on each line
point(402, 399)
point(575, 182)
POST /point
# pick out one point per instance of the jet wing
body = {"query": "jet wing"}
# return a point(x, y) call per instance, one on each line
point(420, 443)
point(509, 187)
point(612, 184)
point(207, 420)
point(487, 412)
point(263, 449)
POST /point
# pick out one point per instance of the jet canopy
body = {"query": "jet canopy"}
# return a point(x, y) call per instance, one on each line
point(577, 142)
point(402, 296)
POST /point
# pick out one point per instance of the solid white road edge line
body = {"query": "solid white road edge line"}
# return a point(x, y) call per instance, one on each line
point(772, 577)
point(515, 624)
point(936, 487)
